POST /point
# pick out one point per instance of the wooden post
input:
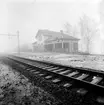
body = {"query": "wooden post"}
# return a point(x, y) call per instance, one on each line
point(62, 45)
point(18, 42)
point(72, 46)
point(53, 46)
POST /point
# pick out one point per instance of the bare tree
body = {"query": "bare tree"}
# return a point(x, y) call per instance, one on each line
point(68, 28)
point(88, 29)
point(75, 31)
point(71, 30)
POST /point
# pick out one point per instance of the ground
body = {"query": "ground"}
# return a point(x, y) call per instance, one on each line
point(15, 89)
point(86, 61)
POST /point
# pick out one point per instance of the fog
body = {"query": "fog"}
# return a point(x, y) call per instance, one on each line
point(28, 16)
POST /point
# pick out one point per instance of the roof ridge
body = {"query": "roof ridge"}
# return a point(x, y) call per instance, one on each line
point(56, 34)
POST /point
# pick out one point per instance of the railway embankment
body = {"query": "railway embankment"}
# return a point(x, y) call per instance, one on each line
point(67, 96)
point(16, 89)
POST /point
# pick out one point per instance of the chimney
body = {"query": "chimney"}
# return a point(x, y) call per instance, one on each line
point(61, 31)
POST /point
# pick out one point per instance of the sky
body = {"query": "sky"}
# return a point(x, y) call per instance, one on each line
point(27, 16)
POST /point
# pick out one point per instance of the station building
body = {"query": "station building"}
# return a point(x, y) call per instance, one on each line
point(52, 41)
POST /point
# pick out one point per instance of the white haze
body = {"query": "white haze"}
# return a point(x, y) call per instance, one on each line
point(28, 16)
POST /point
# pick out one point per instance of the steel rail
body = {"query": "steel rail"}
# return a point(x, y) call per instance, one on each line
point(89, 79)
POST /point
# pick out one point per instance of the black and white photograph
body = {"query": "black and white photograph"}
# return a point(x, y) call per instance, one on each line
point(51, 52)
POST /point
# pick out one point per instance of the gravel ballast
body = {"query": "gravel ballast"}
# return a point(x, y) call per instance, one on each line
point(48, 93)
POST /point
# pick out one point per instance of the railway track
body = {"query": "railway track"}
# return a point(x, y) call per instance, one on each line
point(58, 73)
point(69, 77)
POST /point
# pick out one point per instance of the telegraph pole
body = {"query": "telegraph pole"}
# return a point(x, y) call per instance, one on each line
point(18, 42)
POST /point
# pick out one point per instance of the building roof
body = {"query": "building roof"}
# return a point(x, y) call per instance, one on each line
point(54, 34)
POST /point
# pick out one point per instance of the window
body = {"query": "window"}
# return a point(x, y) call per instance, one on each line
point(49, 47)
point(75, 46)
point(58, 45)
point(66, 45)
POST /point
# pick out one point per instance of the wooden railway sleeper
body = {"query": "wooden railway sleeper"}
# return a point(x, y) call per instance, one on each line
point(66, 71)
point(58, 70)
point(48, 77)
point(83, 76)
point(72, 73)
point(96, 80)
